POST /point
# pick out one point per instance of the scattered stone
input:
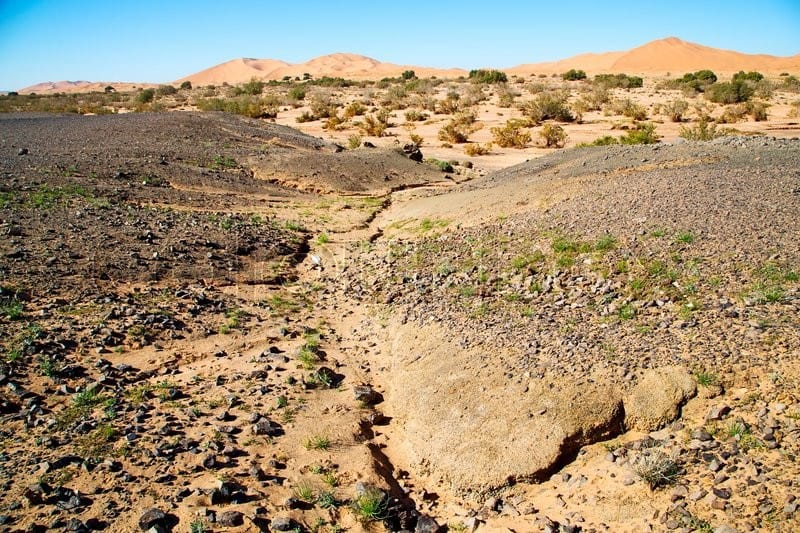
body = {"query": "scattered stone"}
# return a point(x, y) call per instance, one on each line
point(718, 412)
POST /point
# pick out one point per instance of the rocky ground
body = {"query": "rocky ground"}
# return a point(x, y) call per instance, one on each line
point(214, 323)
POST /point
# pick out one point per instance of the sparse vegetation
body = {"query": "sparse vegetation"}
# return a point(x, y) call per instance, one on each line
point(656, 468)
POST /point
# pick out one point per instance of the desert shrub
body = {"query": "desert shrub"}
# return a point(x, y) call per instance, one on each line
point(763, 89)
point(757, 110)
point(395, 97)
point(166, 90)
point(476, 149)
point(454, 132)
point(505, 96)
point(450, 104)
point(252, 87)
point(296, 93)
point(416, 139)
point(593, 99)
point(334, 123)
point(794, 109)
point(487, 76)
point(444, 166)
point(145, 96)
point(729, 92)
point(306, 116)
point(703, 130)
point(605, 140)
point(628, 108)
point(618, 81)
point(553, 135)
point(747, 76)
point(322, 106)
point(676, 109)
point(791, 83)
point(354, 141)
point(548, 106)
point(375, 125)
point(644, 133)
point(186, 85)
point(698, 81)
point(408, 74)
point(413, 115)
point(475, 95)
point(512, 135)
point(573, 75)
point(246, 105)
point(354, 109)
point(656, 468)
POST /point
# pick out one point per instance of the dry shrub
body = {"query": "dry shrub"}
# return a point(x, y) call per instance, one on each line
point(628, 108)
point(476, 149)
point(553, 135)
point(512, 135)
point(375, 125)
point(676, 109)
point(355, 109)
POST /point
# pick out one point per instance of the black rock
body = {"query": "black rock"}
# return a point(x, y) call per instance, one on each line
point(367, 395)
point(267, 427)
point(426, 524)
point(152, 518)
point(282, 523)
point(22, 151)
point(230, 519)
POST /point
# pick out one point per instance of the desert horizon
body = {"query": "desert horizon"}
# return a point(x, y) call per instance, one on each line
point(660, 57)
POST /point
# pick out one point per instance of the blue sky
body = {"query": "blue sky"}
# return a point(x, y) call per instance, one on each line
point(162, 40)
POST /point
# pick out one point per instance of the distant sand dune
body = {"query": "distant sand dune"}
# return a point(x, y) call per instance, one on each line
point(670, 55)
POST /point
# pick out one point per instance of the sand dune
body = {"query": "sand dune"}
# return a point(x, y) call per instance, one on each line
point(670, 55)
point(52, 87)
point(352, 66)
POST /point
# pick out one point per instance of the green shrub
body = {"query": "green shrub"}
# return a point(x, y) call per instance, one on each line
point(245, 105)
point(645, 133)
point(296, 93)
point(145, 96)
point(704, 130)
point(698, 80)
point(747, 76)
point(408, 74)
point(186, 85)
point(253, 87)
point(729, 92)
point(574, 75)
point(166, 90)
point(620, 81)
point(487, 76)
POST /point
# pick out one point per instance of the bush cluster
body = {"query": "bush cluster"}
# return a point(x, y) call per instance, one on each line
point(573, 75)
point(487, 76)
point(618, 81)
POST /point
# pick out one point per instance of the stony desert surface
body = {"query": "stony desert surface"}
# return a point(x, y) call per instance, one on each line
point(413, 304)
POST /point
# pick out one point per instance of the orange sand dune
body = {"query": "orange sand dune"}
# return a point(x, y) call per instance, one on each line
point(670, 55)
point(52, 87)
point(351, 66)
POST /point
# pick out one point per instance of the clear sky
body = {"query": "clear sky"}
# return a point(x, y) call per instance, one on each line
point(163, 40)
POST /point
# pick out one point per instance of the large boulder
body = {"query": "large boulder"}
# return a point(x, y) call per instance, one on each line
point(658, 397)
point(468, 423)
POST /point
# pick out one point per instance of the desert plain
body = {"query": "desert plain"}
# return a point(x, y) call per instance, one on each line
point(346, 296)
